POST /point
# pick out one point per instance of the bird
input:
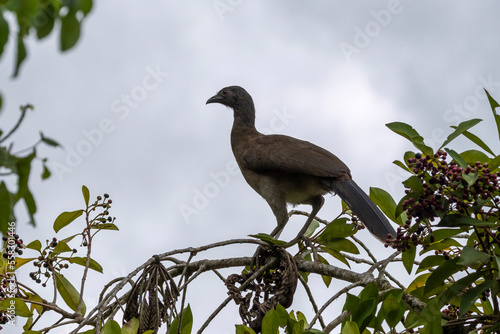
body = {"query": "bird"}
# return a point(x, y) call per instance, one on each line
point(286, 170)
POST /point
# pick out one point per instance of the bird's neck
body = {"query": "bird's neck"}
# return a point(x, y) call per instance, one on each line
point(244, 115)
point(243, 126)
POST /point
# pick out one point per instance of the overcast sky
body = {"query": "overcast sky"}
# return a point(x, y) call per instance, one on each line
point(128, 105)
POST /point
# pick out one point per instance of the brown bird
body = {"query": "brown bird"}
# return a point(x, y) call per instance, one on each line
point(284, 169)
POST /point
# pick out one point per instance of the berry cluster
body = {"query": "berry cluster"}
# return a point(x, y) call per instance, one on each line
point(438, 188)
point(47, 263)
point(451, 311)
point(105, 203)
point(13, 244)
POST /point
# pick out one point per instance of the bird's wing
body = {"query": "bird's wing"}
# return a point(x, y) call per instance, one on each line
point(268, 153)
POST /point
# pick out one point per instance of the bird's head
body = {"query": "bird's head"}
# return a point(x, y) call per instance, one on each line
point(232, 97)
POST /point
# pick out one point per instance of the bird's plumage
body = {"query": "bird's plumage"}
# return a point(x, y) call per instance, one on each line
point(284, 169)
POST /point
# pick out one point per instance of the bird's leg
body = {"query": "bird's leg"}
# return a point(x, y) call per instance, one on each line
point(316, 203)
point(278, 205)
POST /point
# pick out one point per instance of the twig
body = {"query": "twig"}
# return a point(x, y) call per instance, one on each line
point(311, 299)
point(303, 213)
point(367, 250)
point(331, 300)
point(19, 121)
point(337, 321)
point(184, 292)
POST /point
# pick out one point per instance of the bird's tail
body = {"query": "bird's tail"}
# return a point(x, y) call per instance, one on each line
point(364, 208)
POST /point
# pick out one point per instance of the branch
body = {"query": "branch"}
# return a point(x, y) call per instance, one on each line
point(19, 121)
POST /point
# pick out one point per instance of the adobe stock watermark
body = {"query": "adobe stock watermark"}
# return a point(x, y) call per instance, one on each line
point(222, 7)
point(121, 108)
point(219, 180)
point(453, 115)
point(364, 36)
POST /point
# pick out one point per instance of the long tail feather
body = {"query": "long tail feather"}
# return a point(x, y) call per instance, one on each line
point(364, 208)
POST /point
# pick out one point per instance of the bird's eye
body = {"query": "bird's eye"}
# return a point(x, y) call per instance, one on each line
point(224, 92)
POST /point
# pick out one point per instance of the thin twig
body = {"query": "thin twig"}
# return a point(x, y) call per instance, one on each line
point(331, 300)
point(311, 299)
point(19, 121)
point(337, 321)
point(184, 292)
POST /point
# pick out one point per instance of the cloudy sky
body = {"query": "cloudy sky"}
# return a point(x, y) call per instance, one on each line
point(128, 105)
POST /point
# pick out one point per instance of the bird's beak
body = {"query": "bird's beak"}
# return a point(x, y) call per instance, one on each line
point(215, 99)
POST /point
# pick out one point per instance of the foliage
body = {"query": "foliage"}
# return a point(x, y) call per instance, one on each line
point(39, 17)
point(18, 164)
point(446, 200)
point(51, 259)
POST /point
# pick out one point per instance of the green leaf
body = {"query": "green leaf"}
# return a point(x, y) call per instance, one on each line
point(459, 160)
point(408, 258)
point(458, 287)
point(93, 264)
point(5, 207)
point(270, 322)
point(66, 218)
point(282, 315)
point(46, 172)
point(326, 279)
point(418, 282)
point(430, 261)
point(242, 329)
point(68, 292)
point(470, 297)
point(471, 156)
point(476, 140)
point(350, 327)
point(471, 256)
point(364, 312)
point(130, 327)
point(21, 309)
point(464, 126)
point(393, 309)
point(445, 233)
point(385, 202)
point(402, 165)
point(49, 141)
point(494, 105)
point(20, 261)
point(369, 292)
point(35, 244)
point(341, 245)
point(70, 30)
point(441, 245)
point(187, 322)
point(111, 327)
point(337, 255)
point(454, 220)
point(267, 238)
point(408, 132)
point(44, 25)
point(339, 228)
point(414, 184)
point(443, 272)
point(4, 33)
point(86, 6)
point(61, 247)
point(23, 166)
point(86, 195)
point(110, 227)
point(494, 163)
point(312, 227)
point(21, 53)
